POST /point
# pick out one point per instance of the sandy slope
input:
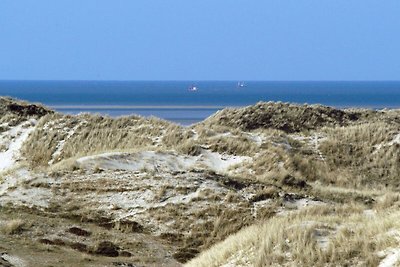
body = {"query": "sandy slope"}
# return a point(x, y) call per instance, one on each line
point(12, 141)
point(162, 161)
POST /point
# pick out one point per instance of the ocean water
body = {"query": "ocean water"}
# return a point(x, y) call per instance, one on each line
point(173, 101)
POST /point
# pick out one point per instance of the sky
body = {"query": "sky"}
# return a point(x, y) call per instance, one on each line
point(200, 40)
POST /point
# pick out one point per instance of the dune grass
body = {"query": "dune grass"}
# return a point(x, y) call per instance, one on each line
point(365, 152)
point(317, 236)
point(60, 137)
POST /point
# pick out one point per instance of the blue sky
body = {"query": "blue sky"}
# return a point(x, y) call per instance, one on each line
point(200, 40)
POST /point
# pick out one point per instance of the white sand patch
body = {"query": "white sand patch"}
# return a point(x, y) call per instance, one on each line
point(14, 190)
point(395, 234)
point(48, 125)
point(396, 140)
point(377, 148)
point(12, 140)
point(127, 200)
point(137, 201)
point(31, 197)
point(315, 141)
point(14, 180)
point(392, 258)
point(13, 260)
point(220, 162)
point(256, 138)
point(162, 161)
point(195, 135)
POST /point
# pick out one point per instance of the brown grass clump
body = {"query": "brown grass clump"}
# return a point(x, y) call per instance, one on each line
point(107, 248)
point(283, 116)
point(14, 111)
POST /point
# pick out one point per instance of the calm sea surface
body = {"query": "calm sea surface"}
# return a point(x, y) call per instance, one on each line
point(173, 101)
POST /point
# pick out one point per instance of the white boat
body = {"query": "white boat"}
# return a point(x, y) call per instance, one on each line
point(241, 84)
point(193, 88)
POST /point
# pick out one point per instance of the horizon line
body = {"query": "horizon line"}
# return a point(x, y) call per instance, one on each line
point(176, 80)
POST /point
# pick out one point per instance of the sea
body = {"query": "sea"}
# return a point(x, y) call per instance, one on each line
point(178, 102)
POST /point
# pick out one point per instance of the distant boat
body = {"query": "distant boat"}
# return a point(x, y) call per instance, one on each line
point(193, 88)
point(241, 84)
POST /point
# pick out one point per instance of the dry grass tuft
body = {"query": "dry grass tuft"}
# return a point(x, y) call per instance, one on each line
point(389, 200)
point(12, 227)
